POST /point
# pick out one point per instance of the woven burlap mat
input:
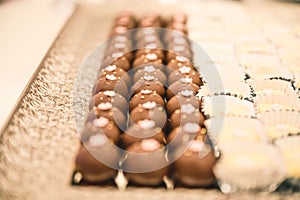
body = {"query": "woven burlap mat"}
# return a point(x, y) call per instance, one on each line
point(40, 140)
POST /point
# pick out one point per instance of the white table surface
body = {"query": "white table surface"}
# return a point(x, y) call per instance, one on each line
point(28, 28)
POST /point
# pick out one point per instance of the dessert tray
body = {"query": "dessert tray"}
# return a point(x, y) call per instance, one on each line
point(39, 142)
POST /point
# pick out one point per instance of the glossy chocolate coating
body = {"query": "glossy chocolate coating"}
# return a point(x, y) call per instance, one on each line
point(178, 62)
point(152, 158)
point(194, 167)
point(111, 113)
point(182, 135)
point(145, 96)
point(154, 112)
point(150, 70)
point(88, 162)
point(150, 22)
point(112, 97)
point(177, 101)
point(154, 85)
point(118, 72)
point(150, 58)
point(179, 86)
point(161, 67)
point(115, 54)
point(158, 51)
point(179, 51)
point(144, 129)
point(119, 30)
point(126, 21)
point(179, 117)
point(157, 76)
point(111, 51)
point(146, 121)
point(111, 82)
point(101, 125)
point(185, 72)
point(120, 62)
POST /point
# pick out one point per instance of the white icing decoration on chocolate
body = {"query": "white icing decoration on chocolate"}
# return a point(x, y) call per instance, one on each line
point(197, 146)
point(111, 68)
point(187, 93)
point(188, 108)
point(111, 77)
point(109, 93)
point(151, 46)
point(186, 80)
point(146, 123)
point(97, 140)
point(146, 91)
point(104, 106)
point(149, 78)
point(117, 54)
point(120, 45)
point(184, 70)
point(149, 105)
point(151, 56)
point(150, 144)
point(181, 59)
point(100, 122)
point(179, 48)
point(191, 127)
point(149, 68)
